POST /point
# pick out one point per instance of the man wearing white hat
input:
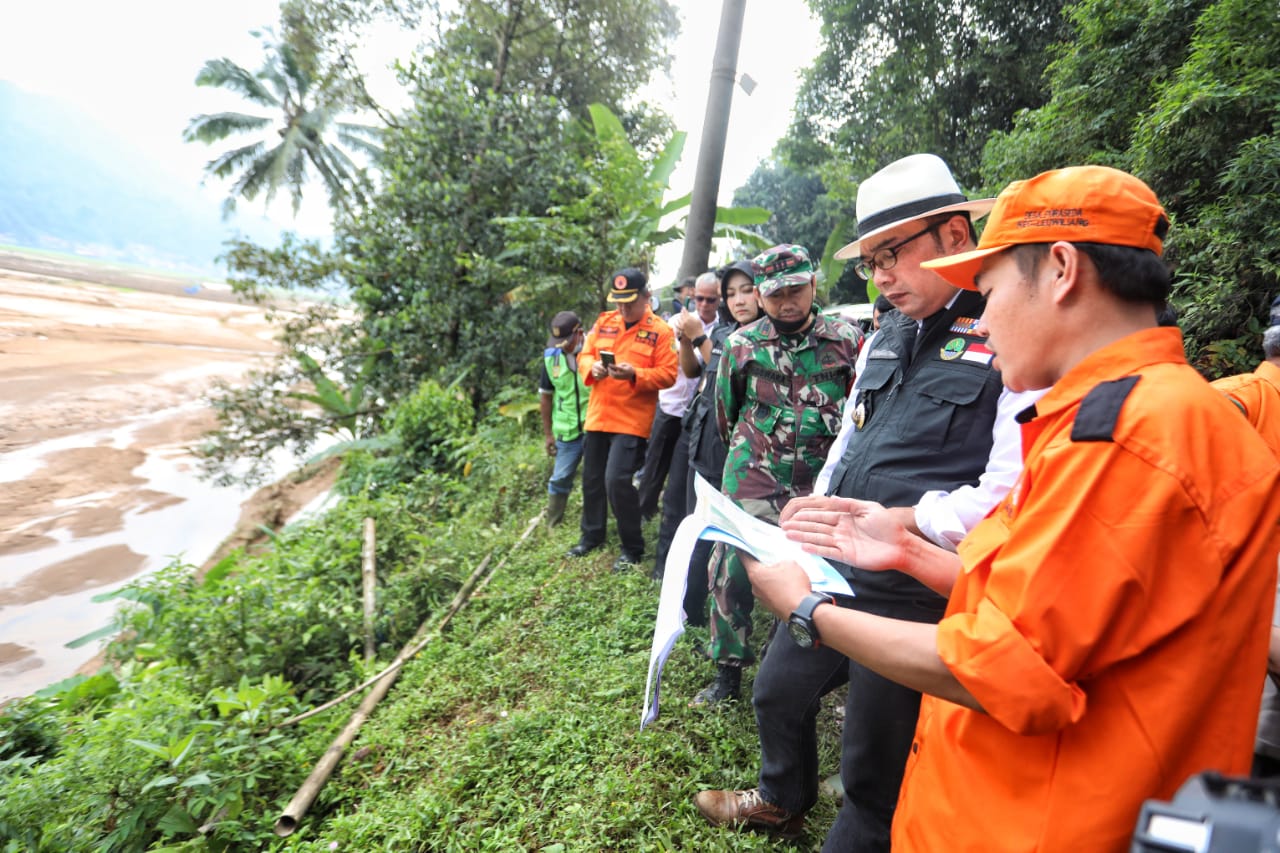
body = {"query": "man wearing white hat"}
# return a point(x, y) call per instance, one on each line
point(922, 434)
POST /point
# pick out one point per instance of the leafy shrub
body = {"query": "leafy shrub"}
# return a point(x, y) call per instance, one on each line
point(162, 765)
point(428, 421)
point(28, 729)
point(296, 611)
point(420, 433)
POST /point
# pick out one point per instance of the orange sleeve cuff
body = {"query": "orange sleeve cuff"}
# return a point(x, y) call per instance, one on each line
point(1000, 667)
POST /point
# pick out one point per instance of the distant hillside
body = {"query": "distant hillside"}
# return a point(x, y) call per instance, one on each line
point(102, 199)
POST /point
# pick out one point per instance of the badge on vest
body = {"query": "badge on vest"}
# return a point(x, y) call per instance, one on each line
point(975, 351)
point(952, 349)
point(965, 326)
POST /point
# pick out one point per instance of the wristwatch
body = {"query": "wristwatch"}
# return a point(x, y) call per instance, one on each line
point(800, 626)
point(697, 342)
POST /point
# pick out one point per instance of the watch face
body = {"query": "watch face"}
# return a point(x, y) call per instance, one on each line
point(800, 633)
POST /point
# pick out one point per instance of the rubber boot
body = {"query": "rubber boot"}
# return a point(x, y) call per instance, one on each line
point(728, 685)
point(555, 508)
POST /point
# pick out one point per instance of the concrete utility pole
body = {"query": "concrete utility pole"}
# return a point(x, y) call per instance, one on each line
point(715, 128)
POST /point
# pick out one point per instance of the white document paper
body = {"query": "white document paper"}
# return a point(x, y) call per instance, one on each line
point(717, 518)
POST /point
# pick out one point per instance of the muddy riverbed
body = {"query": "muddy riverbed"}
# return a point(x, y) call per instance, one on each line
point(100, 398)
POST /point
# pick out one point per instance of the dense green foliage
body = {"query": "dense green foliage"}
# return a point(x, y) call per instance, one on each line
point(900, 77)
point(423, 266)
point(1183, 93)
point(1187, 96)
point(537, 46)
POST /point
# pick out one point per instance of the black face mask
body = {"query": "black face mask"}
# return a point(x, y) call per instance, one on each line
point(789, 327)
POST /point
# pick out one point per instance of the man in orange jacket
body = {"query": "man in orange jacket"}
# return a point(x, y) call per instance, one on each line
point(1107, 623)
point(1257, 396)
point(629, 356)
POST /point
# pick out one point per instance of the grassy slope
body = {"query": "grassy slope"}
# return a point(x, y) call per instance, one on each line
point(518, 728)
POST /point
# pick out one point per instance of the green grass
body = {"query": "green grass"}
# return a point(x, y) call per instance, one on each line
point(519, 729)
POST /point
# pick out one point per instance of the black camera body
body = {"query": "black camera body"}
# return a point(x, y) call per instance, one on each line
point(1212, 813)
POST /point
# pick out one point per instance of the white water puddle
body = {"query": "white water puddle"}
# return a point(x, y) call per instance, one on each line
point(46, 593)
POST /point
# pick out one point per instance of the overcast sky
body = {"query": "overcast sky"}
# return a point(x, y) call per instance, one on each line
point(131, 64)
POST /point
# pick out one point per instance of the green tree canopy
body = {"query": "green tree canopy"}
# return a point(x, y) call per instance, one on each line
point(896, 78)
point(1186, 95)
point(805, 213)
point(422, 256)
point(297, 131)
point(539, 46)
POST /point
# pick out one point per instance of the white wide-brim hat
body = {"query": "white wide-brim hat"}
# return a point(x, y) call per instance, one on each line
point(911, 188)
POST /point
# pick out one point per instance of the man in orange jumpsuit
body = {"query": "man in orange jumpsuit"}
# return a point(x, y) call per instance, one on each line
point(629, 356)
point(1257, 396)
point(1108, 621)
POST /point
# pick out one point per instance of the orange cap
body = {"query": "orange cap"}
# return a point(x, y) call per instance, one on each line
point(1079, 204)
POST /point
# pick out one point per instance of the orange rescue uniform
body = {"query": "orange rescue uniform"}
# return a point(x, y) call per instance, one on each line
point(1257, 395)
point(1111, 617)
point(650, 347)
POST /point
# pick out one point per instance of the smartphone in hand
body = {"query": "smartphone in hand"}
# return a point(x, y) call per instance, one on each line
point(606, 358)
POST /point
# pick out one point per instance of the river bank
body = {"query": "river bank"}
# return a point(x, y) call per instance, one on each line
point(100, 400)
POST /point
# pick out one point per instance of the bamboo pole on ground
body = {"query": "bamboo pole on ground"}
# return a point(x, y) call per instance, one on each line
point(370, 577)
point(306, 794)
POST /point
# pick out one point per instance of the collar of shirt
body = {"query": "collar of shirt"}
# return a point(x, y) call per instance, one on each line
point(1269, 372)
point(1119, 358)
point(947, 307)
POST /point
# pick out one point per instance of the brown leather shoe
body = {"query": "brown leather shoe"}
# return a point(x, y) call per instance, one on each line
point(746, 809)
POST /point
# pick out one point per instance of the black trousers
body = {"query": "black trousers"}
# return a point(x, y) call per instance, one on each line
point(677, 502)
point(663, 438)
point(609, 461)
point(879, 724)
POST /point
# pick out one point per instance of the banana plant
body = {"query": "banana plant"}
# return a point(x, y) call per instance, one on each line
point(619, 216)
point(831, 269)
point(344, 408)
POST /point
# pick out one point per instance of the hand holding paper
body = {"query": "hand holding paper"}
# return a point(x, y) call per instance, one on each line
point(718, 518)
point(724, 521)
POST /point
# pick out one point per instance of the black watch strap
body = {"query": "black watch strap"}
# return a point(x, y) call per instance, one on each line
point(801, 625)
point(697, 342)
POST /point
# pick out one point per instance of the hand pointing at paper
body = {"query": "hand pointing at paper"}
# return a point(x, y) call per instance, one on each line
point(868, 535)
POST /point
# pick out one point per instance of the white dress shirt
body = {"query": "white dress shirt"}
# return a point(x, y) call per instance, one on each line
point(675, 399)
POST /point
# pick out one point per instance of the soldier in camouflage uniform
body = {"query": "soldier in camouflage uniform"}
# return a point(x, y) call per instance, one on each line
point(780, 390)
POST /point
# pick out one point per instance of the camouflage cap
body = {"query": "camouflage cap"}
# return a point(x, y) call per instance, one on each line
point(781, 266)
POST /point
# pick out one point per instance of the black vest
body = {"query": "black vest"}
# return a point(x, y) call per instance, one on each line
point(706, 451)
point(926, 422)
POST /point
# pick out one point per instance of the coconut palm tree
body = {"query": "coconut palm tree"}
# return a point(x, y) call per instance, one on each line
point(306, 130)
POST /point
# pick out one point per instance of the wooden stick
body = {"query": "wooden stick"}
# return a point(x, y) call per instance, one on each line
point(288, 820)
point(302, 800)
point(370, 577)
